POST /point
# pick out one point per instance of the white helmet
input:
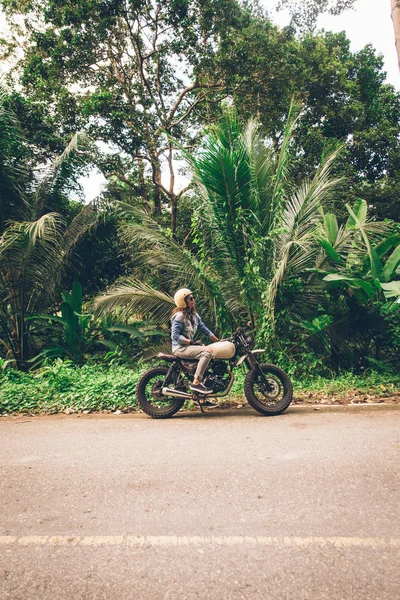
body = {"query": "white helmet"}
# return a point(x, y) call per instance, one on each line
point(180, 297)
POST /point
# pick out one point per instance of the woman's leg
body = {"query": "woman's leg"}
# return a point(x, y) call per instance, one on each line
point(204, 356)
point(204, 361)
point(196, 353)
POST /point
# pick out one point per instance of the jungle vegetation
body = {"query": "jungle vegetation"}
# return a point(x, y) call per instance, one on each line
point(258, 166)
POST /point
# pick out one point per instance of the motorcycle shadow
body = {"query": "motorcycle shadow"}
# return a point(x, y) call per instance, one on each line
point(245, 411)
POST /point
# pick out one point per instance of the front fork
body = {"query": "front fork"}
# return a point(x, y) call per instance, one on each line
point(252, 362)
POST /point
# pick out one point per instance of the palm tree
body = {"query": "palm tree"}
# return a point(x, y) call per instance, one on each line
point(35, 245)
point(12, 164)
point(252, 230)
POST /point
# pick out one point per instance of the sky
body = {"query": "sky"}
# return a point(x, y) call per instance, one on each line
point(368, 23)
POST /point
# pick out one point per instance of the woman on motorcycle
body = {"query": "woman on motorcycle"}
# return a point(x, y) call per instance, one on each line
point(185, 323)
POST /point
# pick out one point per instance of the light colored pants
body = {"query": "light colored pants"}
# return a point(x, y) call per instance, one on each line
point(196, 353)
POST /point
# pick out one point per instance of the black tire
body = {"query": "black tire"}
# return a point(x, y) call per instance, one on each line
point(158, 407)
point(274, 401)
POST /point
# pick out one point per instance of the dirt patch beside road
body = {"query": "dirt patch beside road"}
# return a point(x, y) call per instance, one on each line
point(344, 398)
point(350, 396)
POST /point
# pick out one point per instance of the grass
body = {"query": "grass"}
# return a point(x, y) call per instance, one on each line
point(64, 387)
point(374, 383)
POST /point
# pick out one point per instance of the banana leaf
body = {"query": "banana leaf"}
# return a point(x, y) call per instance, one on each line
point(352, 282)
point(391, 265)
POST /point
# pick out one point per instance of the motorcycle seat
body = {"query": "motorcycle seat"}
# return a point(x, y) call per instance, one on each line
point(173, 358)
point(167, 357)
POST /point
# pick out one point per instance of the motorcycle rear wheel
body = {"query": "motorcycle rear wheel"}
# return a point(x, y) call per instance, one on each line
point(150, 399)
point(275, 399)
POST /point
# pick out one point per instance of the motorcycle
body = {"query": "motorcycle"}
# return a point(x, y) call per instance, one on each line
point(162, 390)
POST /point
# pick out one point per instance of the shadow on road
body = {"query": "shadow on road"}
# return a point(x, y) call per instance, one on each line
point(237, 413)
point(293, 410)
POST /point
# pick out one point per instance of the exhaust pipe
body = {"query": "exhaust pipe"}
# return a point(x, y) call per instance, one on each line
point(175, 393)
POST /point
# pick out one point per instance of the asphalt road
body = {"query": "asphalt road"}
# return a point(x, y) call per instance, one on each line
point(228, 505)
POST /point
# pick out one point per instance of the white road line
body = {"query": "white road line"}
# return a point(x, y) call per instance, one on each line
point(171, 540)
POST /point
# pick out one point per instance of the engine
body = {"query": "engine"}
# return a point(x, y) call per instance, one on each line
point(217, 376)
point(218, 368)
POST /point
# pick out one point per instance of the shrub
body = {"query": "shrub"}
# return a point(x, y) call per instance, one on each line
point(62, 386)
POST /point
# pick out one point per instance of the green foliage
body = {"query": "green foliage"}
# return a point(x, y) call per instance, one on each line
point(345, 100)
point(78, 335)
point(348, 100)
point(374, 382)
point(62, 386)
point(13, 157)
point(263, 236)
point(75, 332)
point(349, 325)
point(35, 245)
point(251, 229)
point(365, 278)
point(132, 98)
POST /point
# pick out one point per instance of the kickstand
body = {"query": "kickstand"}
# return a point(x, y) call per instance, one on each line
point(196, 398)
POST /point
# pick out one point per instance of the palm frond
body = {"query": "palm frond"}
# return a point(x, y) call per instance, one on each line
point(222, 174)
point(222, 265)
point(44, 188)
point(153, 248)
point(262, 164)
point(84, 221)
point(296, 247)
point(281, 172)
point(13, 200)
point(47, 229)
point(135, 299)
point(330, 337)
point(152, 350)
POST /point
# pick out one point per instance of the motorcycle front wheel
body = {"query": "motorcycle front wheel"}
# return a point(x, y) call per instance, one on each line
point(271, 394)
point(150, 398)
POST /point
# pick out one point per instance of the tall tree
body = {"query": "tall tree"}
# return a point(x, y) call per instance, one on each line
point(344, 98)
point(144, 72)
point(305, 13)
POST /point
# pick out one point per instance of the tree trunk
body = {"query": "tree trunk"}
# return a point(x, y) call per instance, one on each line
point(155, 164)
point(174, 212)
point(142, 182)
point(396, 26)
point(157, 201)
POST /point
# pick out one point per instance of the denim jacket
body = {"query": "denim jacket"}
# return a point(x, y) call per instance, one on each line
point(185, 328)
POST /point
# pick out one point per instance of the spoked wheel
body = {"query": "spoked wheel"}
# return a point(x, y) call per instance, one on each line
point(271, 394)
point(150, 398)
